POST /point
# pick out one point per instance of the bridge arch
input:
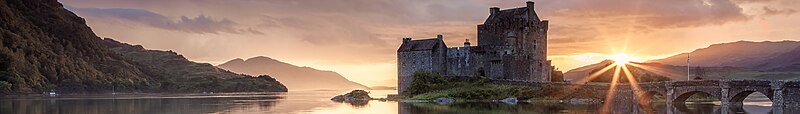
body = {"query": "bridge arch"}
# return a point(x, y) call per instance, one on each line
point(646, 100)
point(738, 98)
point(680, 99)
point(647, 96)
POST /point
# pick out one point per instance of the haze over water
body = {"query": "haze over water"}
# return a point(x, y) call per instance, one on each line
point(311, 102)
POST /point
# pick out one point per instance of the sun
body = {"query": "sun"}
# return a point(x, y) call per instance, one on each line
point(621, 59)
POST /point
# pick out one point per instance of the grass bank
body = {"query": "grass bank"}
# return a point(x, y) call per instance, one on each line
point(429, 86)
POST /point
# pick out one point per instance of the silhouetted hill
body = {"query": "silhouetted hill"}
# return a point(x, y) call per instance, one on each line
point(176, 73)
point(578, 74)
point(745, 54)
point(294, 77)
point(789, 61)
point(46, 47)
point(383, 88)
point(735, 60)
point(655, 70)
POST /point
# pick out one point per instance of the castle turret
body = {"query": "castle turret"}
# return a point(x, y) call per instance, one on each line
point(531, 13)
point(406, 40)
point(466, 44)
point(493, 10)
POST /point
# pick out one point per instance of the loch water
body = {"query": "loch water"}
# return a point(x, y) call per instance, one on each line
point(305, 102)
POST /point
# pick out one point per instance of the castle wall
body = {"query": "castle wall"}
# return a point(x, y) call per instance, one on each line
point(460, 62)
point(512, 45)
point(489, 62)
point(516, 49)
point(439, 59)
point(410, 62)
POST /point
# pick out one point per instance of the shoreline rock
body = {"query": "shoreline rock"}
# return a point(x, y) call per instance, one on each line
point(353, 96)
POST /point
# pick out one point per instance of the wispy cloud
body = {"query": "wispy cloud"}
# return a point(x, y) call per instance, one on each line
point(199, 24)
point(772, 11)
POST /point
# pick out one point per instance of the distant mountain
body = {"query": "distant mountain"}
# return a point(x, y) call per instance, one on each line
point(735, 60)
point(45, 47)
point(580, 75)
point(383, 88)
point(745, 54)
point(789, 61)
point(176, 73)
point(672, 72)
point(577, 75)
point(294, 77)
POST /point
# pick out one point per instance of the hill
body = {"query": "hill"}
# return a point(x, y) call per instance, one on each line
point(176, 73)
point(655, 70)
point(745, 54)
point(735, 60)
point(294, 77)
point(45, 47)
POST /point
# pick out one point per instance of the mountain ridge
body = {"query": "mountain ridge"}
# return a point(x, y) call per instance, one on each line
point(747, 54)
point(732, 60)
point(294, 77)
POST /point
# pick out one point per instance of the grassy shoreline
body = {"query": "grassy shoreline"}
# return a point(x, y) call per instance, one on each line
point(431, 86)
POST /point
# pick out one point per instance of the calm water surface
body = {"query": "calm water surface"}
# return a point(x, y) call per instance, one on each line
point(313, 102)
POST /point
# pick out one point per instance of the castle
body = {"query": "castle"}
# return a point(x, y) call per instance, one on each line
point(512, 45)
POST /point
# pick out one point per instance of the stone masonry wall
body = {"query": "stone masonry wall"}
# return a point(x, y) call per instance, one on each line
point(460, 62)
point(410, 62)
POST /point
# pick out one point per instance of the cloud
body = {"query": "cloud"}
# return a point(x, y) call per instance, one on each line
point(650, 13)
point(771, 11)
point(199, 24)
point(369, 31)
point(753, 1)
point(324, 30)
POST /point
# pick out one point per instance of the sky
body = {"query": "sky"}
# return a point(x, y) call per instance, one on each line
point(359, 38)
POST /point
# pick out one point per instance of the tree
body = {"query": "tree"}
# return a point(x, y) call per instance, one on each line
point(423, 82)
point(5, 86)
point(556, 75)
point(698, 72)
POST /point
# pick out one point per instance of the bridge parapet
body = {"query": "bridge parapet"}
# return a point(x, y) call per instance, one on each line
point(783, 93)
point(695, 83)
point(790, 83)
point(739, 83)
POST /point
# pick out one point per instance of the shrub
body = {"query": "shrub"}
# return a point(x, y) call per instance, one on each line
point(423, 82)
point(5, 86)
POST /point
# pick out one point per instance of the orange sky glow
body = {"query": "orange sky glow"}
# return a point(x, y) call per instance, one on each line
point(359, 38)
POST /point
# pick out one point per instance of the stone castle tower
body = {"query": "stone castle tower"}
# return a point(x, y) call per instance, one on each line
point(516, 44)
point(512, 45)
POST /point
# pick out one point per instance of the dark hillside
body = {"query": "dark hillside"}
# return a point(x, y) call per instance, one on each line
point(45, 47)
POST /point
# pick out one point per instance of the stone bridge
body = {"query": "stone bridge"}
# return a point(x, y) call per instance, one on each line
point(784, 94)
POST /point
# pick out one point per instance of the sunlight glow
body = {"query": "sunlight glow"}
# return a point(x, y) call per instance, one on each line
point(622, 58)
point(609, 100)
point(621, 62)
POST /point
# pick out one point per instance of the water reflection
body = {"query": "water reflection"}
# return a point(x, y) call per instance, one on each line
point(135, 104)
point(482, 108)
point(319, 102)
point(357, 104)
